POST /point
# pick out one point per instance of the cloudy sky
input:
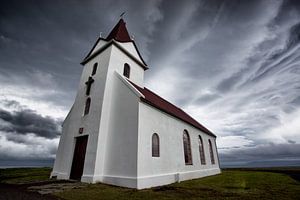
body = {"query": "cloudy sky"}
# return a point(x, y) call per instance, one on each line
point(233, 65)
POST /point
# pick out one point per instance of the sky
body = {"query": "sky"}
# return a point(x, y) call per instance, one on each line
point(233, 65)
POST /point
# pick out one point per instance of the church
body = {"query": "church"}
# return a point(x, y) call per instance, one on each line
point(121, 133)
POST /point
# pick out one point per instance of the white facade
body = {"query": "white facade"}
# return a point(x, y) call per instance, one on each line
point(120, 127)
point(170, 166)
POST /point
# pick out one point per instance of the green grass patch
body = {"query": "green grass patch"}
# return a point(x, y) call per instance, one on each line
point(24, 175)
point(231, 184)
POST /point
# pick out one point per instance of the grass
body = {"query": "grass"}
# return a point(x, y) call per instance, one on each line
point(231, 184)
point(24, 175)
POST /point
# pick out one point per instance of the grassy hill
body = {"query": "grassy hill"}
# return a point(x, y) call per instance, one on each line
point(231, 184)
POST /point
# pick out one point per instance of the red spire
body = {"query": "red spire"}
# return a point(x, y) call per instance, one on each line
point(119, 32)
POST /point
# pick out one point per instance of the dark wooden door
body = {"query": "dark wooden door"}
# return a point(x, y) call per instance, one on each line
point(78, 157)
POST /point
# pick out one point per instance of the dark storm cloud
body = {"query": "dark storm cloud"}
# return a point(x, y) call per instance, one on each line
point(10, 103)
point(34, 37)
point(26, 135)
point(27, 121)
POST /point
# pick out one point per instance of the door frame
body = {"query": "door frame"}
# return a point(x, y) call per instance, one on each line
point(74, 148)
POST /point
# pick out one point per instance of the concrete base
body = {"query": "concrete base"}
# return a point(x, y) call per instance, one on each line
point(145, 181)
point(130, 182)
point(164, 179)
point(59, 175)
point(91, 179)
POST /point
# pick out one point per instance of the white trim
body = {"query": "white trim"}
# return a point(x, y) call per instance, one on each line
point(139, 61)
point(68, 115)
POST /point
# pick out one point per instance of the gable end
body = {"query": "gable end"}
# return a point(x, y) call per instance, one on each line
point(113, 42)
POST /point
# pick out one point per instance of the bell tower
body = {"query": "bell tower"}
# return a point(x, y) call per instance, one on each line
point(83, 145)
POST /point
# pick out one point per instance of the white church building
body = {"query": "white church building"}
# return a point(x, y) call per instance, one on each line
point(121, 133)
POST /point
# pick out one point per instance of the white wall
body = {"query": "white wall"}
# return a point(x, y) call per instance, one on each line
point(121, 150)
point(153, 171)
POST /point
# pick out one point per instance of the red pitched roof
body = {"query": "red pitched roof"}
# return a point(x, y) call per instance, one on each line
point(119, 32)
point(158, 102)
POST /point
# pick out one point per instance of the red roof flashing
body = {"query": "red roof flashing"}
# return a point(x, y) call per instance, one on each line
point(158, 102)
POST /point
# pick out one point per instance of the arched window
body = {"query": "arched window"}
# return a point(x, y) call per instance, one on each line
point(155, 145)
point(201, 151)
point(187, 148)
point(87, 106)
point(94, 69)
point(212, 158)
point(126, 71)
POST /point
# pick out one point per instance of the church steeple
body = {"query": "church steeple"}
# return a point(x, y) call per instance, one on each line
point(119, 32)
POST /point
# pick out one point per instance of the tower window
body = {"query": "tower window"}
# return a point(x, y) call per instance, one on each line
point(201, 151)
point(94, 69)
point(87, 106)
point(155, 145)
point(212, 158)
point(187, 148)
point(126, 71)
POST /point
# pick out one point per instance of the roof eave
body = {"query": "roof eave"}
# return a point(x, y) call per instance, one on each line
point(205, 130)
point(114, 42)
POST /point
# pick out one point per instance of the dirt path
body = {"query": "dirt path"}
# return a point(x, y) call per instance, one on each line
point(19, 192)
point(35, 191)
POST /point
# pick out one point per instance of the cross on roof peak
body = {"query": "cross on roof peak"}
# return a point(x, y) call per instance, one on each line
point(122, 14)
